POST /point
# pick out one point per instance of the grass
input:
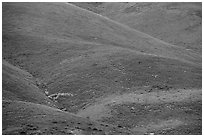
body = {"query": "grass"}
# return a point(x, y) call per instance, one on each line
point(176, 23)
point(19, 85)
point(62, 48)
point(35, 119)
point(179, 117)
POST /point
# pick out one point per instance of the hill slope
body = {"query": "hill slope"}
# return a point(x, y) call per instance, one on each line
point(19, 85)
point(35, 119)
point(80, 57)
point(177, 23)
point(69, 22)
point(27, 109)
point(76, 51)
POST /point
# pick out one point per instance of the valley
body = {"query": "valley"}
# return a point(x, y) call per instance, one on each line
point(73, 68)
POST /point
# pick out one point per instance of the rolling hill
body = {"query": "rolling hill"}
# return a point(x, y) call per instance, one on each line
point(176, 23)
point(27, 118)
point(19, 85)
point(28, 110)
point(81, 59)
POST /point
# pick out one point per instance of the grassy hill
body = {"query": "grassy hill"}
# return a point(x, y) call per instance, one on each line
point(177, 23)
point(80, 58)
point(27, 118)
point(19, 85)
point(27, 110)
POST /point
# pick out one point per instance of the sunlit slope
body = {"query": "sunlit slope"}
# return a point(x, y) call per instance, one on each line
point(177, 23)
point(88, 56)
point(35, 119)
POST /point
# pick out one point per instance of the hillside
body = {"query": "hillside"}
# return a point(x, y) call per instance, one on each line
point(82, 59)
point(27, 110)
point(27, 118)
point(19, 85)
point(176, 23)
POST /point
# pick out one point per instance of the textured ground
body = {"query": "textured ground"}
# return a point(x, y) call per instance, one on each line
point(64, 65)
point(177, 23)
